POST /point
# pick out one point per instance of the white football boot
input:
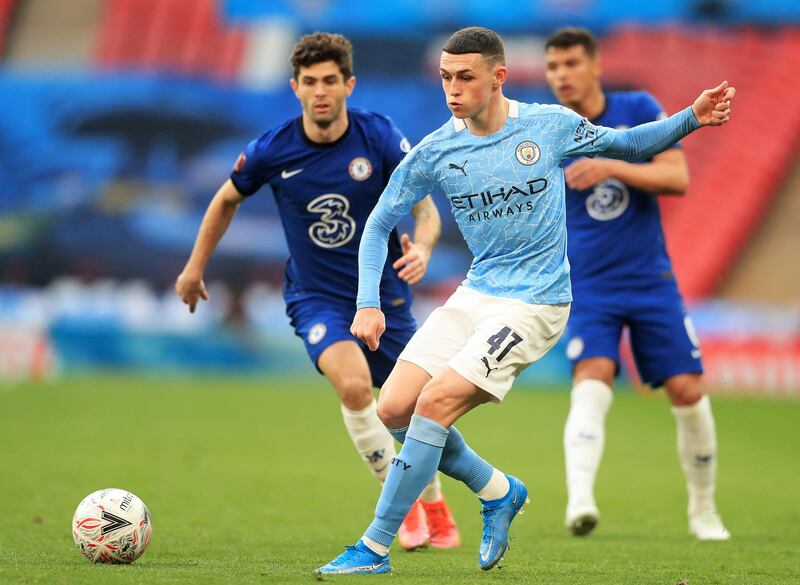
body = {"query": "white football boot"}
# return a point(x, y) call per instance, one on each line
point(582, 517)
point(707, 525)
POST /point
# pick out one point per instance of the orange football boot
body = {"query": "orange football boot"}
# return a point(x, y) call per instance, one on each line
point(441, 524)
point(413, 533)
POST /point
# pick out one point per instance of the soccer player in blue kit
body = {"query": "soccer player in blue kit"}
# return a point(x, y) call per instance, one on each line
point(326, 170)
point(622, 276)
point(499, 163)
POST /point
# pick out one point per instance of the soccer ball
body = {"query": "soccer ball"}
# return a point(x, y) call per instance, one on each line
point(111, 526)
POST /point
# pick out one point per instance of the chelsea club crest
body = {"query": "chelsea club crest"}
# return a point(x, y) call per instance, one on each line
point(360, 168)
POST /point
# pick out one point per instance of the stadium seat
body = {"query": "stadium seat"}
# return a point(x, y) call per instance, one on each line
point(186, 37)
point(6, 12)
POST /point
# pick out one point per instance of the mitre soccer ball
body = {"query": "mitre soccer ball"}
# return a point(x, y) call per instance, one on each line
point(111, 526)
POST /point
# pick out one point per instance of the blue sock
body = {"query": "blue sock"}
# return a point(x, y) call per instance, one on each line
point(458, 460)
point(410, 472)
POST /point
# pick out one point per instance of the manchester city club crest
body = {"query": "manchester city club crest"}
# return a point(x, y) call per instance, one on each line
point(360, 168)
point(528, 152)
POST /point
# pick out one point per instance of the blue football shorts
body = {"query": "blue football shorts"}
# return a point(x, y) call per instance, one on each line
point(321, 321)
point(662, 335)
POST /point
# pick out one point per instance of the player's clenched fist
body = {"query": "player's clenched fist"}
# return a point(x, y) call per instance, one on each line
point(368, 325)
point(713, 107)
point(191, 289)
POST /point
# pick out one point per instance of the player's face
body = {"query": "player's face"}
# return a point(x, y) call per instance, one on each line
point(469, 82)
point(322, 91)
point(572, 74)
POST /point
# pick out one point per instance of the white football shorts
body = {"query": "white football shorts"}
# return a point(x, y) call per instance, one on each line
point(488, 340)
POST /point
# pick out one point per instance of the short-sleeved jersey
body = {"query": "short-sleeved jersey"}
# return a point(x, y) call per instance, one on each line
point(615, 236)
point(324, 193)
point(506, 193)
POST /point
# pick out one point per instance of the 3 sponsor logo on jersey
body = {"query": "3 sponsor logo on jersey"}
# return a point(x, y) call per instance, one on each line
point(360, 168)
point(335, 227)
point(502, 195)
point(528, 153)
point(608, 200)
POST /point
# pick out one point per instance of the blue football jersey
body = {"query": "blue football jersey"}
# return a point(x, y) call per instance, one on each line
point(324, 193)
point(506, 193)
point(615, 236)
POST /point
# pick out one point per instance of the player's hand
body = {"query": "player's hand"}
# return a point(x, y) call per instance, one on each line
point(368, 325)
point(587, 172)
point(414, 261)
point(713, 107)
point(191, 289)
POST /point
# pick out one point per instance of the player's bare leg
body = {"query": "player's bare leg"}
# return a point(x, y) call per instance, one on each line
point(344, 364)
point(697, 451)
point(442, 401)
point(396, 404)
point(399, 394)
point(584, 437)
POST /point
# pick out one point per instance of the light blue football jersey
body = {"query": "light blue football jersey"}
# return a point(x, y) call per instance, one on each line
point(506, 193)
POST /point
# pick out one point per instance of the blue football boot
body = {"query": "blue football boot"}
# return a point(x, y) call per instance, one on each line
point(497, 518)
point(357, 559)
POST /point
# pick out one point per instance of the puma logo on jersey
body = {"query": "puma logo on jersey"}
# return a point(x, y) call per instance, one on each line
point(289, 174)
point(486, 365)
point(454, 166)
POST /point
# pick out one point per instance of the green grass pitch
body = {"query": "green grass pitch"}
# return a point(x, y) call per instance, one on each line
point(255, 481)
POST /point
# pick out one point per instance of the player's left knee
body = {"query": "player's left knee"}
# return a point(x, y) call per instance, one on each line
point(355, 392)
point(684, 389)
point(433, 401)
point(393, 414)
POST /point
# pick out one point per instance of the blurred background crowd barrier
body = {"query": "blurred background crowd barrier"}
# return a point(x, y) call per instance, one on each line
point(120, 118)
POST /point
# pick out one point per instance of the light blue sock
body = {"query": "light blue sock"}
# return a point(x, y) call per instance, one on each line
point(458, 460)
point(410, 472)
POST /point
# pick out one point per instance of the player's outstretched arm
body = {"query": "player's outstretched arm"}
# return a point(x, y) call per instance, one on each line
point(189, 285)
point(712, 108)
point(413, 264)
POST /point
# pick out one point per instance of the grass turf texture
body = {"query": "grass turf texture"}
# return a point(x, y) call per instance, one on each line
point(256, 481)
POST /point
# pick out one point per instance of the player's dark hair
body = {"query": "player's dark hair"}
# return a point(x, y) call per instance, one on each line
point(564, 38)
point(319, 47)
point(476, 39)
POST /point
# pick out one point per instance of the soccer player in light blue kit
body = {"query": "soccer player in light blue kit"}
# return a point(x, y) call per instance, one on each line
point(499, 163)
point(622, 276)
point(326, 169)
